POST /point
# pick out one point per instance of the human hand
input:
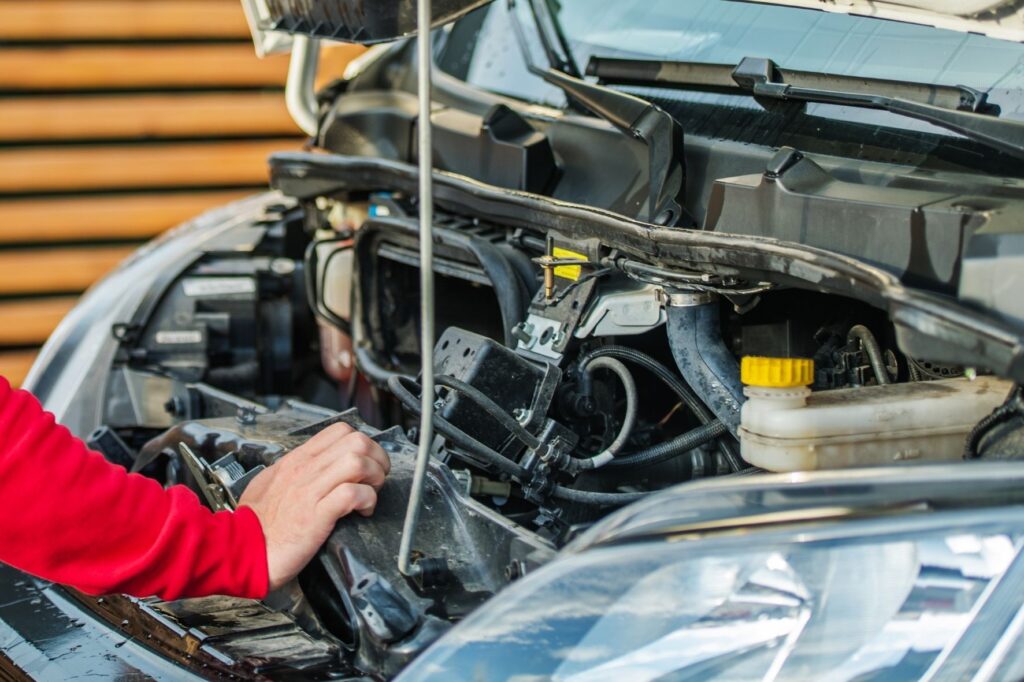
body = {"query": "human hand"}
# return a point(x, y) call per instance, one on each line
point(301, 496)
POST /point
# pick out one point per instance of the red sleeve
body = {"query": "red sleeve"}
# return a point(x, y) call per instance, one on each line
point(70, 516)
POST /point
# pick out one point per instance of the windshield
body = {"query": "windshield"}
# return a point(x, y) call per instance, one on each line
point(486, 54)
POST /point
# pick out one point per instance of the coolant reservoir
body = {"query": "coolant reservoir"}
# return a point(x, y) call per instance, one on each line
point(786, 427)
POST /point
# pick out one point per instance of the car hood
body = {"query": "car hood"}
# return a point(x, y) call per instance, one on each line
point(1002, 19)
point(352, 21)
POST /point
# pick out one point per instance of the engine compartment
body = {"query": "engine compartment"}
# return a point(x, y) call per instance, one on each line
point(574, 378)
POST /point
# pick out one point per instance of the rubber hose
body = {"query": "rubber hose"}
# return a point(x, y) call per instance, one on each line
point(456, 435)
point(704, 361)
point(874, 352)
point(493, 409)
point(675, 447)
point(595, 498)
point(628, 420)
point(682, 391)
point(368, 365)
point(504, 279)
point(1012, 406)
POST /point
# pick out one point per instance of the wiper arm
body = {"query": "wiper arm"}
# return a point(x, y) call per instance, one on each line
point(966, 110)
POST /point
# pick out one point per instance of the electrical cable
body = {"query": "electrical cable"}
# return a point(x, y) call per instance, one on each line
point(675, 447)
point(493, 409)
point(457, 436)
point(684, 392)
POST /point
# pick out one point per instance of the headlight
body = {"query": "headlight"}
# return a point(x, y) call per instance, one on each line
point(932, 594)
point(71, 370)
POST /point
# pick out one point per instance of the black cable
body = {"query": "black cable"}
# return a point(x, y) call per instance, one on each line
point(871, 348)
point(678, 386)
point(1014, 405)
point(659, 370)
point(673, 448)
point(368, 365)
point(504, 279)
point(457, 436)
point(493, 409)
point(595, 498)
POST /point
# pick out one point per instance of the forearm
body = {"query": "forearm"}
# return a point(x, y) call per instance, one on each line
point(70, 516)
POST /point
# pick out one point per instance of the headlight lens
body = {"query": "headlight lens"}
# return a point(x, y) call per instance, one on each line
point(876, 602)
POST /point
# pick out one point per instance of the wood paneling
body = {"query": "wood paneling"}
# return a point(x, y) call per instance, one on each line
point(64, 269)
point(83, 117)
point(14, 365)
point(29, 322)
point(120, 119)
point(81, 67)
point(47, 169)
point(120, 19)
point(117, 216)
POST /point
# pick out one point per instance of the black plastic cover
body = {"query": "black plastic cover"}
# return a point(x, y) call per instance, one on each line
point(360, 21)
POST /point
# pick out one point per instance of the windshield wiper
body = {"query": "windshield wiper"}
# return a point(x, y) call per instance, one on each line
point(959, 109)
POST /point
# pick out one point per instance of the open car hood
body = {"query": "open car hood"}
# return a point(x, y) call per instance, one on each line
point(1002, 19)
point(353, 21)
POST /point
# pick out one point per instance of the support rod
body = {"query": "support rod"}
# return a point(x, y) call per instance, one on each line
point(300, 89)
point(426, 432)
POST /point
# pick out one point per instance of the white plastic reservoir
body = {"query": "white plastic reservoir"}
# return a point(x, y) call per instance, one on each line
point(793, 429)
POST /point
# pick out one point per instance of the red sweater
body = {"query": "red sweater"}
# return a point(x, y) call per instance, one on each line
point(70, 516)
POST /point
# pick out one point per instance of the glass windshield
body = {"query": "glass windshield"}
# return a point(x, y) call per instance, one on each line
point(724, 32)
point(483, 50)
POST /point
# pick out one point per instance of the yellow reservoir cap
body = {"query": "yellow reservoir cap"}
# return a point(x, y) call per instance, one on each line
point(776, 372)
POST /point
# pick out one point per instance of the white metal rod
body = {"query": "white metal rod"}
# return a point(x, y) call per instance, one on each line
point(426, 433)
point(300, 89)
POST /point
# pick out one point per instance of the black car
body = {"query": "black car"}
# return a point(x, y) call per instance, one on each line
point(723, 325)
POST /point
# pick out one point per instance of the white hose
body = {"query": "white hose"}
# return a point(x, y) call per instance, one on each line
point(620, 370)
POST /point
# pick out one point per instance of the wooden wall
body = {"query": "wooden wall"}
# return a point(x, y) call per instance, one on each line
point(120, 119)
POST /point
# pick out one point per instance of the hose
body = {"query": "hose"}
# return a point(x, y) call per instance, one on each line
point(505, 280)
point(493, 409)
point(682, 391)
point(695, 337)
point(595, 498)
point(456, 435)
point(659, 370)
point(1014, 405)
point(368, 365)
point(870, 345)
point(628, 420)
point(675, 447)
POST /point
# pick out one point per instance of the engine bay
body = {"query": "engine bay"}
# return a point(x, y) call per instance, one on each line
point(572, 380)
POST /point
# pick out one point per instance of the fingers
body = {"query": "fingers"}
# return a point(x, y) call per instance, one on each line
point(347, 467)
point(347, 498)
point(326, 438)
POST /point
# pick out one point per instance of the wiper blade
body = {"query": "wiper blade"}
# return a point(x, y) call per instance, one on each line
point(959, 109)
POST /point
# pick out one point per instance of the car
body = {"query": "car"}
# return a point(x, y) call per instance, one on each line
point(708, 367)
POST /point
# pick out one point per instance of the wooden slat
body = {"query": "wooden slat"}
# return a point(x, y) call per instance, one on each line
point(29, 271)
point(144, 66)
point(334, 57)
point(14, 365)
point(132, 216)
point(144, 116)
point(120, 19)
point(31, 321)
point(138, 166)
